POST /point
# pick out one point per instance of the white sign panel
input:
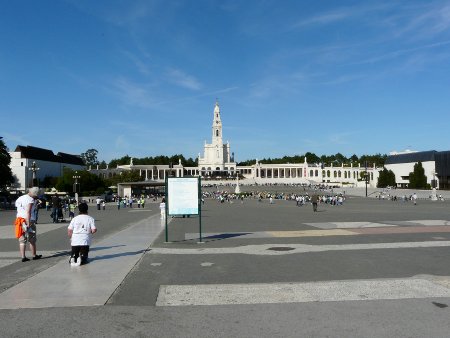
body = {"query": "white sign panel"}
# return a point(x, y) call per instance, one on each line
point(183, 195)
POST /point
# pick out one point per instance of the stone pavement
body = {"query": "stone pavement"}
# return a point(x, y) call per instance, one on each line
point(110, 261)
point(264, 271)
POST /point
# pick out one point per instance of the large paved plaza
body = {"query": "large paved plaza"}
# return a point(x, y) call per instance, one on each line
point(368, 268)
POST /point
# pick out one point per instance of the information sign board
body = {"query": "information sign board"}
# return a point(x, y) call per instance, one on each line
point(183, 196)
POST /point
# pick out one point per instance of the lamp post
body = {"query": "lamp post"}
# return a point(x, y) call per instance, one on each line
point(366, 176)
point(33, 169)
point(434, 182)
point(76, 185)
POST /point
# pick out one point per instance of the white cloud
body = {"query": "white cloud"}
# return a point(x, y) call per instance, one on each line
point(182, 79)
point(338, 15)
point(133, 94)
point(140, 65)
point(399, 52)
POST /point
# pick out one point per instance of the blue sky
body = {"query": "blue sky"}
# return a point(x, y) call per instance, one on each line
point(140, 78)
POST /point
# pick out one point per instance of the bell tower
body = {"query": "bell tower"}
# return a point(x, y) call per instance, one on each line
point(217, 155)
point(217, 127)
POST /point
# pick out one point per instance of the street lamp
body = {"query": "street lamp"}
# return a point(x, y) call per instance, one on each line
point(76, 185)
point(434, 182)
point(366, 176)
point(33, 169)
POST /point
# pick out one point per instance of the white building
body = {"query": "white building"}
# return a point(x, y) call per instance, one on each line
point(217, 157)
point(46, 163)
point(402, 164)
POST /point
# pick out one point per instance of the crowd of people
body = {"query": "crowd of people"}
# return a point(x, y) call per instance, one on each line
point(300, 199)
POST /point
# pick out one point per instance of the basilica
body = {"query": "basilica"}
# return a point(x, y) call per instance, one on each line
point(217, 165)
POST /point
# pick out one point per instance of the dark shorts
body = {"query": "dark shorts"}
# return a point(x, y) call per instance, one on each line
point(80, 251)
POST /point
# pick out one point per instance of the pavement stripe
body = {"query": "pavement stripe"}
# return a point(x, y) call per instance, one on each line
point(357, 225)
point(329, 291)
point(267, 249)
point(7, 231)
point(402, 230)
point(349, 225)
point(321, 233)
point(6, 262)
point(429, 222)
point(16, 254)
point(311, 233)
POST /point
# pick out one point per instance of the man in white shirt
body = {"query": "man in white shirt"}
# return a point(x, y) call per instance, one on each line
point(25, 226)
point(80, 229)
point(98, 201)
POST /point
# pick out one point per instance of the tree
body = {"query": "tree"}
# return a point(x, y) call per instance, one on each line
point(90, 157)
point(354, 159)
point(340, 159)
point(312, 158)
point(417, 179)
point(6, 176)
point(125, 176)
point(378, 159)
point(89, 183)
point(386, 178)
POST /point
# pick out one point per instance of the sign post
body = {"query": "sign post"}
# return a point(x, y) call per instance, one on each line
point(183, 198)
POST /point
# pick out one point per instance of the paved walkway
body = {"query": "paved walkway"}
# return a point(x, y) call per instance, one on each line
point(64, 286)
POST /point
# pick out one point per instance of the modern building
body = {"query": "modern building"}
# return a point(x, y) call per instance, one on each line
point(436, 165)
point(28, 160)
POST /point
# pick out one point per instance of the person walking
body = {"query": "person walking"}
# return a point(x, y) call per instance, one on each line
point(414, 198)
point(56, 206)
point(25, 226)
point(314, 201)
point(162, 208)
point(98, 201)
point(80, 230)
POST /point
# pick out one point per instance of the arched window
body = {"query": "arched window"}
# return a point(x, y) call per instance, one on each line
point(316, 173)
point(217, 133)
point(339, 173)
point(335, 174)
point(328, 173)
point(311, 173)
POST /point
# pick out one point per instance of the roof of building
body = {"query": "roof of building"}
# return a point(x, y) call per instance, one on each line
point(71, 159)
point(422, 156)
point(42, 154)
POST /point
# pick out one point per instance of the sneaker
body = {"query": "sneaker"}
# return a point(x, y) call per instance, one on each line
point(37, 257)
point(71, 260)
point(77, 263)
point(25, 259)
